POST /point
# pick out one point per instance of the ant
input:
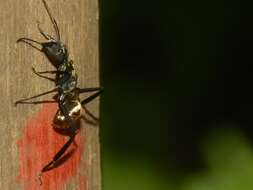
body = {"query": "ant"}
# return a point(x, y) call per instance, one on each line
point(67, 92)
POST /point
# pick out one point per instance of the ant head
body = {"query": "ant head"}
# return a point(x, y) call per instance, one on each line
point(55, 51)
point(53, 48)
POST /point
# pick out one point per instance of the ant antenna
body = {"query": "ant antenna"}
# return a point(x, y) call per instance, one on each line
point(56, 28)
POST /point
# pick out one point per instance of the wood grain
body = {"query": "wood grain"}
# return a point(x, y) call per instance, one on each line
point(78, 23)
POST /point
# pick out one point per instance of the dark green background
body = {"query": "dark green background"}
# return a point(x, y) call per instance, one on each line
point(177, 108)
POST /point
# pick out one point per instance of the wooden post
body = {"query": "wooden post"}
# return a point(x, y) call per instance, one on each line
point(27, 138)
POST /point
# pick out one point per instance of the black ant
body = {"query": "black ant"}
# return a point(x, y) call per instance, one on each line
point(67, 92)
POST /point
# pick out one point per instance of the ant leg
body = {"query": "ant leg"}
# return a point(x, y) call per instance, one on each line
point(84, 90)
point(90, 114)
point(39, 74)
point(39, 102)
point(89, 121)
point(42, 72)
point(92, 97)
point(73, 128)
point(36, 96)
point(28, 41)
point(58, 155)
point(86, 101)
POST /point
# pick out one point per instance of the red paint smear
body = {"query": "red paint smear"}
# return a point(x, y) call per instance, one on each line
point(38, 145)
point(82, 183)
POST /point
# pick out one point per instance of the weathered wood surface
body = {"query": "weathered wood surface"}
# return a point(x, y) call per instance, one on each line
point(78, 23)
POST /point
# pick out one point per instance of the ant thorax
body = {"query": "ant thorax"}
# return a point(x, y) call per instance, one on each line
point(66, 78)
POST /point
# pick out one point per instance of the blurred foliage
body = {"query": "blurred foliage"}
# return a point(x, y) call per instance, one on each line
point(229, 159)
point(177, 108)
point(132, 174)
point(230, 163)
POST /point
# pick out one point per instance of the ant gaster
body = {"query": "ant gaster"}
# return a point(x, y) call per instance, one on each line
point(67, 92)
